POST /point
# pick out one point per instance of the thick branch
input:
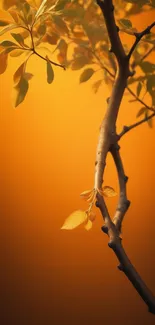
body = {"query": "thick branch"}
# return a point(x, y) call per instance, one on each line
point(139, 37)
point(116, 44)
point(130, 127)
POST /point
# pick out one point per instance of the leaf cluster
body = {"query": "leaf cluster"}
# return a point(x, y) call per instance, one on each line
point(74, 32)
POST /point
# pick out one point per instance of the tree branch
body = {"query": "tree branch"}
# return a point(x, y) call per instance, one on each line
point(128, 88)
point(108, 142)
point(35, 52)
point(139, 37)
point(52, 62)
point(130, 127)
point(135, 63)
point(125, 265)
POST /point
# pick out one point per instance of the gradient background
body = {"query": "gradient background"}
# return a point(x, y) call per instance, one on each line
point(48, 145)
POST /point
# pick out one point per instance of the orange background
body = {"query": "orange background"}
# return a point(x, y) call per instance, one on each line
point(48, 146)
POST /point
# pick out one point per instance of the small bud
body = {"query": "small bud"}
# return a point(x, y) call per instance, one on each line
point(120, 267)
point(104, 229)
point(126, 178)
point(117, 28)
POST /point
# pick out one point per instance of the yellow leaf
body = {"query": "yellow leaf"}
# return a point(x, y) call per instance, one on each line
point(86, 193)
point(90, 198)
point(16, 52)
point(3, 61)
point(92, 216)
point(74, 220)
point(109, 191)
point(88, 225)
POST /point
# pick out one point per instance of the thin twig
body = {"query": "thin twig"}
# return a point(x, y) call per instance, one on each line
point(128, 88)
point(135, 63)
point(130, 127)
point(52, 62)
point(140, 100)
point(139, 37)
point(35, 52)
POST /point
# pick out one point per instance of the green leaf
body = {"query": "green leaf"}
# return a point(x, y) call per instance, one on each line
point(74, 220)
point(125, 23)
point(151, 87)
point(147, 67)
point(42, 29)
point(79, 62)
point(139, 88)
point(18, 75)
point(149, 121)
point(60, 5)
point(18, 38)
point(60, 25)
point(141, 111)
point(150, 82)
point(7, 44)
point(86, 75)
point(50, 72)
point(3, 61)
point(20, 91)
point(97, 85)
point(4, 23)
